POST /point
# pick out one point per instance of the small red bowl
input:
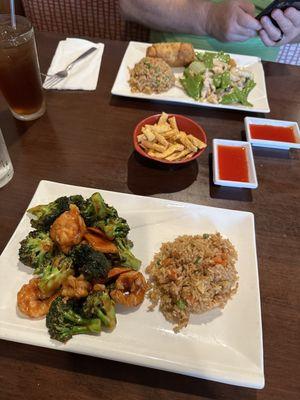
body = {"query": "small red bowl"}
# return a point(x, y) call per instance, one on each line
point(184, 124)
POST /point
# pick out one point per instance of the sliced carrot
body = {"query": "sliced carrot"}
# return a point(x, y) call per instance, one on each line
point(97, 231)
point(172, 274)
point(220, 260)
point(99, 243)
point(116, 271)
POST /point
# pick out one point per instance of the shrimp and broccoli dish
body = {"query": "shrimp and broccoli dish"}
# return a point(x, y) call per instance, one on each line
point(83, 265)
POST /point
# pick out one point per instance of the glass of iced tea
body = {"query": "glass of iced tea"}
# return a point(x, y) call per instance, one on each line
point(20, 79)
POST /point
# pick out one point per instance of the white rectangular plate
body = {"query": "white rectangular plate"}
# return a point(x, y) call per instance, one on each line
point(136, 51)
point(221, 345)
point(275, 144)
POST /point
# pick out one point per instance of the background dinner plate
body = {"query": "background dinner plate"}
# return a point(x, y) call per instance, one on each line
point(137, 50)
point(221, 345)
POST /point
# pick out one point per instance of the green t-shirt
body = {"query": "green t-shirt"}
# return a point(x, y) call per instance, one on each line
point(252, 47)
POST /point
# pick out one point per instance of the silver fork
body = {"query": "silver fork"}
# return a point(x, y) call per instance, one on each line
point(54, 79)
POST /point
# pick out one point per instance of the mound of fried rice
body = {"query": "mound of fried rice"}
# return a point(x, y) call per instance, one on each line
point(151, 75)
point(192, 274)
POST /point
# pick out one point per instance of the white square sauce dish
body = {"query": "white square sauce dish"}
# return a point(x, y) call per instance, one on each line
point(233, 164)
point(272, 133)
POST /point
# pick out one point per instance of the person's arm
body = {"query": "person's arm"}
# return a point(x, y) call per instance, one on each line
point(187, 16)
point(231, 20)
point(289, 23)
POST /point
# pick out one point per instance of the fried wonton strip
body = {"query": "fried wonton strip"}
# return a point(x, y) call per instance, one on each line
point(161, 140)
point(161, 128)
point(170, 134)
point(178, 155)
point(154, 146)
point(186, 142)
point(189, 155)
point(163, 118)
point(173, 123)
point(152, 153)
point(141, 137)
point(148, 133)
point(197, 142)
point(172, 149)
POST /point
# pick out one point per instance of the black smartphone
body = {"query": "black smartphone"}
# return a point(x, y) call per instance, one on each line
point(280, 4)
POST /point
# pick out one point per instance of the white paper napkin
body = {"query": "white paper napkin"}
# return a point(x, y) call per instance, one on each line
point(84, 74)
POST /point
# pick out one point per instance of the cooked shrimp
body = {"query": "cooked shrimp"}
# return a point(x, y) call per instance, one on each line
point(31, 301)
point(75, 287)
point(68, 229)
point(98, 287)
point(130, 289)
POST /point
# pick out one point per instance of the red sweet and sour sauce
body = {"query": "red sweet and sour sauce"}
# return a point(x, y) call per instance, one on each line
point(233, 164)
point(271, 132)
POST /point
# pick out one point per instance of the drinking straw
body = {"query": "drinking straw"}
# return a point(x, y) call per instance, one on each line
point(13, 14)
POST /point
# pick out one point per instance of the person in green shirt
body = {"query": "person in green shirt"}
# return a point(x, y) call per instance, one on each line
point(217, 25)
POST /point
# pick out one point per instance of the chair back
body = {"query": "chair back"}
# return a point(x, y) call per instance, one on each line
point(95, 18)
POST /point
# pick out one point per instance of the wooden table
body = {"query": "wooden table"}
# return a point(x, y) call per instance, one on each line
point(85, 138)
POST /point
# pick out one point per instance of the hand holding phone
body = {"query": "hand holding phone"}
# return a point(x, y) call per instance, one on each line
point(283, 23)
point(278, 4)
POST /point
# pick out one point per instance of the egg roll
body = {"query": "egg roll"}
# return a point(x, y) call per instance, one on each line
point(175, 54)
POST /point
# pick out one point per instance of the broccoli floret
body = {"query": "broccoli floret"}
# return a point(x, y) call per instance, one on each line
point(55, 274)
point(36, 250)
point(114, 227)
point(89, 262)
point(77, 199)
point(125, 254)
point(63, 321)
point(95, 209)
point(99, 304)
point(45, 214)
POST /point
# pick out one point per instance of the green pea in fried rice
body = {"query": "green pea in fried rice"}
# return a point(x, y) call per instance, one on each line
point(192, 274)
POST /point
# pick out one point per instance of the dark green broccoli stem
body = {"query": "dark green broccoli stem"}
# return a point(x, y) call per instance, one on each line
point(66, 333)
point(63, 322)
point(101, 305)
point(72, 316)
point(36, 250)
point(126, 256)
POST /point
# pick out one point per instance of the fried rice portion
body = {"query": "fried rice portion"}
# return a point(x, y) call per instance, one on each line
point(151, 75)
point(192, 274)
